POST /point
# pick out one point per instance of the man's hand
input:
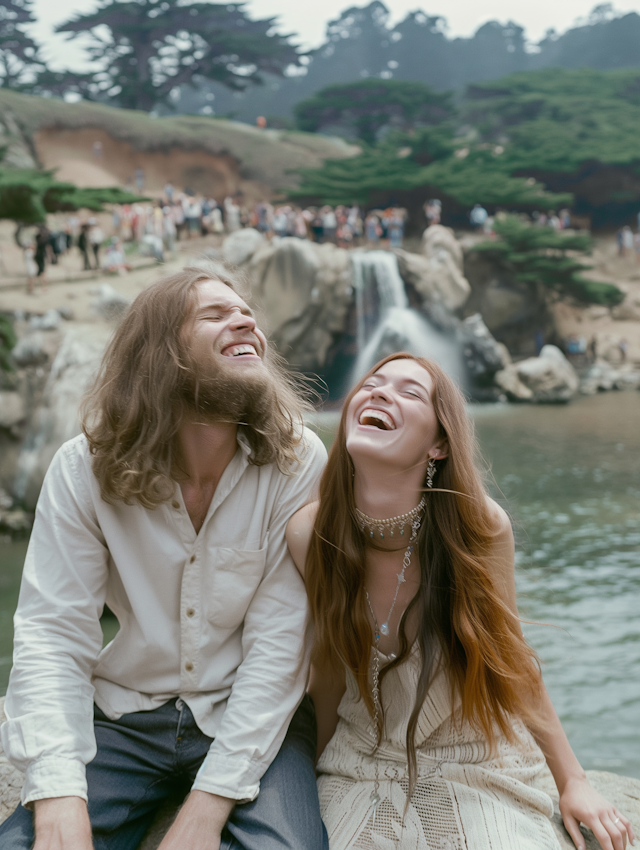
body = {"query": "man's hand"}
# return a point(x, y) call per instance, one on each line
point(62, 823)
point(199, 823)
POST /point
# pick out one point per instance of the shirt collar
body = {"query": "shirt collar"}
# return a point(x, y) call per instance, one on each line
point(243, 442)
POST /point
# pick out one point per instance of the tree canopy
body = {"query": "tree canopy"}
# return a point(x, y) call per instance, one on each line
point(363, 42)
point(147, 48)
point(365, 108)
point(27, 195)
point(536, 139)
point(537, 255)
point(18, 51)
point(429, 159)
point(554, 120)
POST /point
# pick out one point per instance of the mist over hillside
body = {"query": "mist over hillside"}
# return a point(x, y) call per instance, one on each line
point(362, 43)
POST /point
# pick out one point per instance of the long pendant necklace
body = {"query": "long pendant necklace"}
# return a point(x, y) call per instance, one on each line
point(384, 630)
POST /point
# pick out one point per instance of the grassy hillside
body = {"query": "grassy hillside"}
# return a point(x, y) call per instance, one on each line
point(265, 155)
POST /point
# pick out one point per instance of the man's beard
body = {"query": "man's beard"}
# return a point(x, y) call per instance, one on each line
point(214, 391)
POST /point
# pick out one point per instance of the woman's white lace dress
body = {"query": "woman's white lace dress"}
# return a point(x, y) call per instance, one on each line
point(465, 798)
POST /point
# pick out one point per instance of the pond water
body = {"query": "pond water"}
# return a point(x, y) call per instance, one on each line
point(570, 478)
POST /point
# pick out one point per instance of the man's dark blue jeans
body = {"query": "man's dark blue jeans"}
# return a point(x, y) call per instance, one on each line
point(148, 757)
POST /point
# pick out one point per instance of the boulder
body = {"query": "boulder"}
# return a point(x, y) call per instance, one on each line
point(550, 378)
point(436, 274)
point(50, 321)
point(30, 350)
point(241, 245)
point(602, 376)
point(56, 419)
point(436, 280)
point(438, 239)
point(483, 356)
point(12, 409)
point(109, 304)
point(15, 521)
point(303, 291)
point(65, 312)
point(508, 381)
point(629, 310)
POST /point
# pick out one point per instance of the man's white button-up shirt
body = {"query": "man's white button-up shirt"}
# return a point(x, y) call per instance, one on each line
point(218, 618)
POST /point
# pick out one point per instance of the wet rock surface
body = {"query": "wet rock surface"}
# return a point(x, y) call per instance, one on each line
point(483, 355)
point(436, 274)
point(603, 376)
point(56, 418)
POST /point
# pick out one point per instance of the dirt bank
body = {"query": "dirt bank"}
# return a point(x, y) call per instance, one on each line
point(210, 155)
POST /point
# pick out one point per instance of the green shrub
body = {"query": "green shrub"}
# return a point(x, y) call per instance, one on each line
point(542, 256)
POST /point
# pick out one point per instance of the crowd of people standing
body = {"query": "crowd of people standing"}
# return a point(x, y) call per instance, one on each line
point(156, 227)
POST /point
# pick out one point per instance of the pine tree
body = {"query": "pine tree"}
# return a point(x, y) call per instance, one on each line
point(365, 108)
point(154, 46)
point(27, 195)
point(18, 51)
point(540, 257)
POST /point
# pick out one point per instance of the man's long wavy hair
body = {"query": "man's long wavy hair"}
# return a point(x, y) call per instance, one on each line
point(463, 624)
point(133, 413)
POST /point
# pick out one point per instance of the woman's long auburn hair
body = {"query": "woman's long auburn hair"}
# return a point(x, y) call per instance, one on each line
point(133, 412)
point(463, 622)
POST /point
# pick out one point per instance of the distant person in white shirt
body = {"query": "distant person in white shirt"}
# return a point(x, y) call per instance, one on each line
point(171, 508)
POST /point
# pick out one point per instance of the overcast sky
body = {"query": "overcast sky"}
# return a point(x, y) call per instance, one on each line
point(308, 19)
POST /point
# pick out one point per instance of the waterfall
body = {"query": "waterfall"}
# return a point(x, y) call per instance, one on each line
point(386, 323)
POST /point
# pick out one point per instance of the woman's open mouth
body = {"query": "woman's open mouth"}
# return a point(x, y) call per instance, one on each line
point(377, 419)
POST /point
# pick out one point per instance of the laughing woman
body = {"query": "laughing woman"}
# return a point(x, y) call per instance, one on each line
point(432, 715)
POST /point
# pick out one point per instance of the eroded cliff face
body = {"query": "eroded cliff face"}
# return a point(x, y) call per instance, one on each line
point(72, 153)
point(516, 314)
point(93, 145)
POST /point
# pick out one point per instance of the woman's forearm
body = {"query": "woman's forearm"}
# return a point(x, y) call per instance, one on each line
point(552, 740)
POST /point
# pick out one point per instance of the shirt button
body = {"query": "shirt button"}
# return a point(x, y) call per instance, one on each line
point(175, 504)
point(188, 666)
point(190, 612)
point(192, 559)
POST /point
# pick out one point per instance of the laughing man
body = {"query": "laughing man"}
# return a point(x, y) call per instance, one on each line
point(171, 508)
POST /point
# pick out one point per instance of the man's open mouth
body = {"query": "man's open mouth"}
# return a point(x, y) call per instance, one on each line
point(377, 418)
point(240, 349)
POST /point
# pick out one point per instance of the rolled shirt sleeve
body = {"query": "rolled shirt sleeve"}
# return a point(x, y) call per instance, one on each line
point(271, 679)
point(49, 706)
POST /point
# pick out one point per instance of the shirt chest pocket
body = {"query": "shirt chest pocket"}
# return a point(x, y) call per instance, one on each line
point(231, 585)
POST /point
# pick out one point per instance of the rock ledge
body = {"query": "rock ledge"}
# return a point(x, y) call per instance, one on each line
point(622, 791)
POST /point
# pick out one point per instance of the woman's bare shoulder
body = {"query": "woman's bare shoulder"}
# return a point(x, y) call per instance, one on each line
point(299, 531)
point(499, 517)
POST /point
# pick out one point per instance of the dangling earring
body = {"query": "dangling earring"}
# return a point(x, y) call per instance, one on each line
point(431, 471)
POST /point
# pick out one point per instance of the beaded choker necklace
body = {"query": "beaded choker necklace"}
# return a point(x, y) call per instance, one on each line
point(394, 523)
